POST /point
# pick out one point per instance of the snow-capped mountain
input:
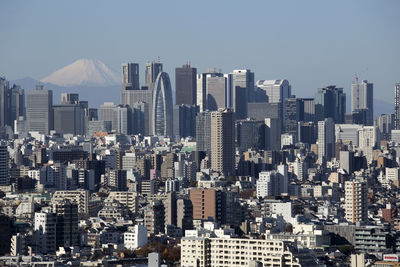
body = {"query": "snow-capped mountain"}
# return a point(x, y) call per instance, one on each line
point(83, 72)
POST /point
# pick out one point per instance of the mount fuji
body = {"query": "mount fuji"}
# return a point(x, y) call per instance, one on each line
point(83, 72)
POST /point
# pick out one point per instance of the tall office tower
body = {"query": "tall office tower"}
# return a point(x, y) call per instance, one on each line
point(272, 134)
point(45, 232)
point(130, 76)
point(17, 104)
point(250, 134)
point(326, 140)
point(368, 138)
point(69, 98)
point(39, 110)
point(308, 109)
point(260, 111)
point(140, 117)
point(107, 111)
point(184, 121)
point(162, 106)
point(276, 90)
point(4, 101)
point(67, 232)
point(69, 117)
point(184, 214)
point(242, 91)
point(211, 90)
point(306, 132)
point(397, 106)
point(223, 141)
point(133, 97)
point(122, 121)
point(208, 204)
point(385, 124)
point(362, 97)
point(355, 201)
point(185, 85)
point(153, 69)
point(4, 164)
point(293, 113)
point(330, 102)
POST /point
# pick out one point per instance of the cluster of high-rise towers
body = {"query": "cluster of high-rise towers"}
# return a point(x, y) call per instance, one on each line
point(236, 99)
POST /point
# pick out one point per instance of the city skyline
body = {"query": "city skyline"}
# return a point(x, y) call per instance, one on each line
point(293, 47)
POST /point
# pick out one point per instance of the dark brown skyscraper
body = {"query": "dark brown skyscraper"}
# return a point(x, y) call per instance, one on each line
point(185, 85)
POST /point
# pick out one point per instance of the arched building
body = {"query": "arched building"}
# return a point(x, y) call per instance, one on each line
point(162, 106)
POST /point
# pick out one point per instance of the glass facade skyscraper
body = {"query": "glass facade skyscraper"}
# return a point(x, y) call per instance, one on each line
point(162, 106)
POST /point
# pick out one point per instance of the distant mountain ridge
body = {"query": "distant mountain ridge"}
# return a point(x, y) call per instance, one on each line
point(84, 72)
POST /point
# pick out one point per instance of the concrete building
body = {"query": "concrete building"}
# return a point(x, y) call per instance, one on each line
point(368, 138)
point(356, 206)
point(242, 92)
point(218, 252)
point(154, 216)
point(306, 132)
point(348, 133)
point(45, 231)
point(184, 214)
point(223, 141)
point(135, 237)
point(39, 110)
point(273, 183)
point(129, 199)
point(122, 120)
point(68, 119)
point(385, 124)
point(362, 97)
point(67, 234)
point(250, 134)
point(107, 111)
point(208, 204)
point(80, 197)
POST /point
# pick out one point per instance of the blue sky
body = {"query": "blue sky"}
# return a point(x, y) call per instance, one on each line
point(310, 43)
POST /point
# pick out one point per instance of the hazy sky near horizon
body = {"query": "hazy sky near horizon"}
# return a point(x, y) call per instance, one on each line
point(311, 43)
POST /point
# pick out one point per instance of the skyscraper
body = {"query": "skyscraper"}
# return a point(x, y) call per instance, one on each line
point(122, 121)
point(151, 73)
point(397, 106)
point(68, 119)
point(4, 101)
point(184, 120)
point(17, 104)
point(273, 134)
point(39, 110)
point(211, 90)
point(242, 91)
point(107, 111)
point(203, 136)
point(362, 97)
point(293, 113)
point(223, 141)
point(185, 85)
point(162, 106)
point(326, 139)
point(330, 102)
point(130, 76)
point(276, 90)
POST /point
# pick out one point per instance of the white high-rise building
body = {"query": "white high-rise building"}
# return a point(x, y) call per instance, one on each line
point(356, 206)
point(273, 183)
point(362, 97)
point(326, 139)
point(368, 139)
